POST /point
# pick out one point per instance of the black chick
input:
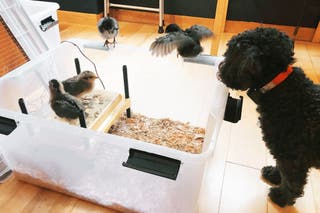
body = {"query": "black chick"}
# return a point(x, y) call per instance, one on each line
point(62, 103)
point(80, 84)
point(187, 42)
point(109, 29)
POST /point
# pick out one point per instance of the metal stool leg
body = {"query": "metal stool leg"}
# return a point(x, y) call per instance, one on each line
point(161, 16)
point(106, 7)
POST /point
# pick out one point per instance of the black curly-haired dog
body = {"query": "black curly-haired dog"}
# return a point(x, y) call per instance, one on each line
point(288, 102)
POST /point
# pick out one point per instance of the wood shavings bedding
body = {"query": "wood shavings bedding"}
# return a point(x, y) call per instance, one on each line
point(165, 132)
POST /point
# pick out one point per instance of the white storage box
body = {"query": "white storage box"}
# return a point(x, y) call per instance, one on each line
point(113, 171)
point(34, 24)
point(44, 18)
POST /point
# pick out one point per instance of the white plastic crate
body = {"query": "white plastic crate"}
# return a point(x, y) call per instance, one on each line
point(89, 164)
point(44, 18)
point(34, 24)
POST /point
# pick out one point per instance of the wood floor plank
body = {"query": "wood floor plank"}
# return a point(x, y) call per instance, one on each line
point(84, 207)
point(313, 49)
point(315, 183)
point(8, 190)
point(21, 198)
point(300, 50)
point(312, 74)
point(42, 202)
point(315, 60)
point(63, 204)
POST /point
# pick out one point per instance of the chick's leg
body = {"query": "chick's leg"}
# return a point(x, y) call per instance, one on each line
point(114, 42)
point(106, 43)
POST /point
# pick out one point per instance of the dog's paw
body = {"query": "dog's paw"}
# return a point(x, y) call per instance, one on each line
point(280, 198)
point(271, 174)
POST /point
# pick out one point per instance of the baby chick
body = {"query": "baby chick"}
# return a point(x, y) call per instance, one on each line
point(187, 42)
point(108, 28)
point(62, 103)
point(80, 84)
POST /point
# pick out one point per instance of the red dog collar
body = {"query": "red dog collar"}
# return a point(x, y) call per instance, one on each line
point(277, 80)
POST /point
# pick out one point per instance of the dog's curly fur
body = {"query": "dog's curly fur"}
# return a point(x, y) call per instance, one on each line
point(289, 113)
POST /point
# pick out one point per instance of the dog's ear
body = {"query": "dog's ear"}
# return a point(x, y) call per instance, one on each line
point(282, 51)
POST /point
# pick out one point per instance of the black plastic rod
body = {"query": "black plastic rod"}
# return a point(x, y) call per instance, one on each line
point(77, 63)
point(82, 120)
point(126, 87)
point(22, 106)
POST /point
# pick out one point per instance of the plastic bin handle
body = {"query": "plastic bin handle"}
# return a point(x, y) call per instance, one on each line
point(7, 125)
point(153, 164)
point(48, 23)
point(233, 109)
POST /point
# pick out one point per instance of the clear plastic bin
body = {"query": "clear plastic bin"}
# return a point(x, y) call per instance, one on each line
point(103, 168)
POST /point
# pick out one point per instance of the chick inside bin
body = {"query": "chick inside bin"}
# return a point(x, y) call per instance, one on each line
point(73, 95)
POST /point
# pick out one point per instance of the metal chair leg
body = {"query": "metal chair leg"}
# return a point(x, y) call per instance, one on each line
point(161, 16)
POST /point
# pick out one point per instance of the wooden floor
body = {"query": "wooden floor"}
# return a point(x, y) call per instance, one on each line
point(232, 181)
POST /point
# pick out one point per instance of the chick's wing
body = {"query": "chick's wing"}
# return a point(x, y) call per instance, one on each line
point(200, 31)
point(166, 44)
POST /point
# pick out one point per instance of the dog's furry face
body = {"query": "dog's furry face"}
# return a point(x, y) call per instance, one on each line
point(255, 57)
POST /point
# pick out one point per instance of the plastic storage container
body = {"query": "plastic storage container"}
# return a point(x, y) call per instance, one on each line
point(110, 170)
point(33, 24)
point(44, 18)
